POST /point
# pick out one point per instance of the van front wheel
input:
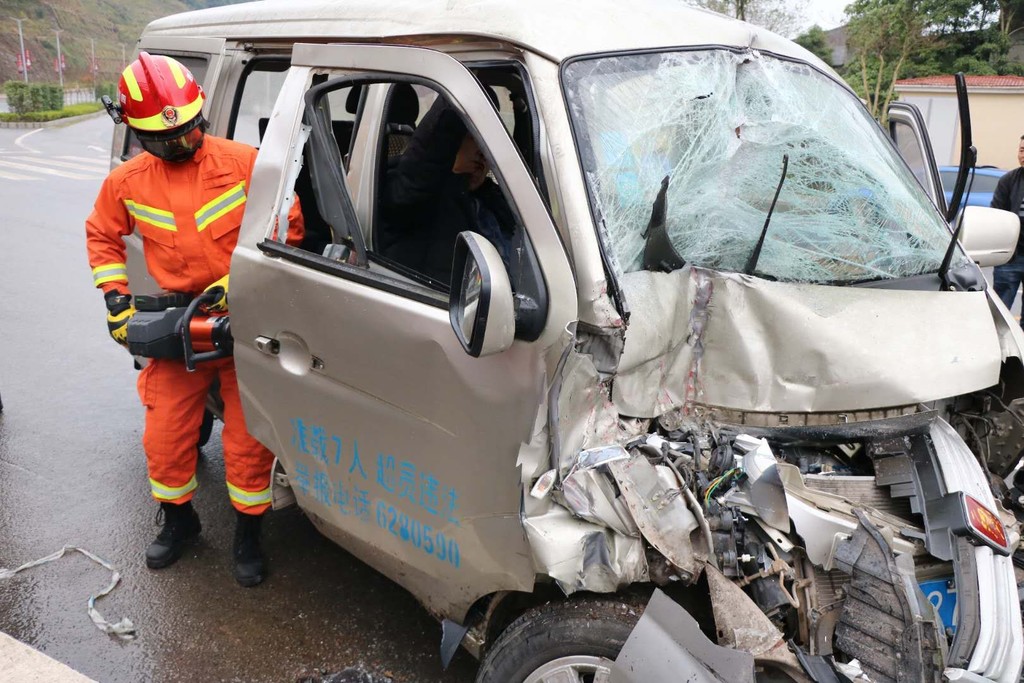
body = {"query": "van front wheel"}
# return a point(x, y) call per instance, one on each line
point(574, 640)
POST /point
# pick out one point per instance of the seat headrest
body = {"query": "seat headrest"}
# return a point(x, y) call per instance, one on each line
point(403, 105)
point(352, 101)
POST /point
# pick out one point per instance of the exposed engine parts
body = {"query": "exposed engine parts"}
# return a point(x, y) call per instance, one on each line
point(838, 537)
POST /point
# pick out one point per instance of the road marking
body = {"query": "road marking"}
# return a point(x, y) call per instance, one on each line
point(15, 176)
point(18, 140)
point(62, 164)
point(99, 149)
point(45, 171)
point(105, 163)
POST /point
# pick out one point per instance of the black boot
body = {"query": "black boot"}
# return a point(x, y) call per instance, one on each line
point(247, 554)
point(181, 524)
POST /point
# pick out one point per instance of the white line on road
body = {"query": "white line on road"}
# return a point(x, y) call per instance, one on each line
point(18, 140)
point(15, 176)
point(45, 171)
point(105, 163)
point(62, 164)
point(99, 149)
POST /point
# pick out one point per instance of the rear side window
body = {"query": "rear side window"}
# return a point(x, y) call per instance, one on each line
point(254, 100)
point(198, 66)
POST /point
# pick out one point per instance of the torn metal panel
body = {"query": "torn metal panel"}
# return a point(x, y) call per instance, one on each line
point(590, 494)
point(585, 415)
point(741, 625)
point(667, 642)
point(581, 555)
point(783, 347)
point(824, 520)
point(659, 508)
point(1011, 337)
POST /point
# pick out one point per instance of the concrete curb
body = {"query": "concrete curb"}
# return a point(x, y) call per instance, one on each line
point(52, 124)
point(19, 662)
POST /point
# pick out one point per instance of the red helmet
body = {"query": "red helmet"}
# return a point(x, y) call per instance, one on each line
point(161, 101)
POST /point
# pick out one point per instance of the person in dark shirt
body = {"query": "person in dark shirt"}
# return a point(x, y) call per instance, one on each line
point(439, 188)
point(1009, 196)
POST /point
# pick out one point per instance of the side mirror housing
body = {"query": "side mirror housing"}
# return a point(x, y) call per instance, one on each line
point(989, 236)
point(480, 305)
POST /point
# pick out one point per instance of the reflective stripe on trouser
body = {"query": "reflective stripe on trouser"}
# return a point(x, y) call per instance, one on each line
point(174, 399)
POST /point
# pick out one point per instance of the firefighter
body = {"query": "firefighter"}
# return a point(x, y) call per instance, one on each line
point(184, 196)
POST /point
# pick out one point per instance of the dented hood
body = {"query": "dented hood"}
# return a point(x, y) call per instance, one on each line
point(701, 337)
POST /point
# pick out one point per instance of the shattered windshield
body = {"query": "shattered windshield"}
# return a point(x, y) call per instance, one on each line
point(717, 124)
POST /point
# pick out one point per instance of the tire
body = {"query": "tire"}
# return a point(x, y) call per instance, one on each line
point(581, 635)
point(205, 429)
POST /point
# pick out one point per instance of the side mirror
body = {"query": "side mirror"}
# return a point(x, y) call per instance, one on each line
point(480, 305)
point(989, 236)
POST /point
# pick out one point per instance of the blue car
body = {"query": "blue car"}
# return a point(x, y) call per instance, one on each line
point(985, 179)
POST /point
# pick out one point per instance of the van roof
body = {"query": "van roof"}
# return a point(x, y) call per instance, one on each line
point(555, 28)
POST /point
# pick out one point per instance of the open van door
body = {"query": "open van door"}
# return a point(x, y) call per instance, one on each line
point(397, 442)
point(910, 135)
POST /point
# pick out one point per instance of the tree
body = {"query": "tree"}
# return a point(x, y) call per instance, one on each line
point(816, 42)
point(883, 35)
point(779, 16)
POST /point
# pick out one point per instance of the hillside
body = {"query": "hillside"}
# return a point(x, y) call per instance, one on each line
point(110, 23)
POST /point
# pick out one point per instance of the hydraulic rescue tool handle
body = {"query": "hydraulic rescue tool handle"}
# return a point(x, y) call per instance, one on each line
point(222, 350)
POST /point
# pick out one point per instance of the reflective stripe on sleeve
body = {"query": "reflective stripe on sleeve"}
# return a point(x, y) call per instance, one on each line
point(162, 492)
point(243, 497)
point(220, 205)
point(110, 272)
point(158, 218)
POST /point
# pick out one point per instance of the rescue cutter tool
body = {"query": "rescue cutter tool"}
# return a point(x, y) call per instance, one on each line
point(171, 325)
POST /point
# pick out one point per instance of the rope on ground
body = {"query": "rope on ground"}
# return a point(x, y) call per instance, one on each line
point(123, 629)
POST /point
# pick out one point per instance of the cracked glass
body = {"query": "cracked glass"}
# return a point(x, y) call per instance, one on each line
point(717, 124)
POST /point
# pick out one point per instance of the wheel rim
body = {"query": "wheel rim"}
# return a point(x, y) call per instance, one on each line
point(575, 669)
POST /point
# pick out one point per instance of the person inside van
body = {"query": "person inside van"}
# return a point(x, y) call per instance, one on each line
point(440, 187)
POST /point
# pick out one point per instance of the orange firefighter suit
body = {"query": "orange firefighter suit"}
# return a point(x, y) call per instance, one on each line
point(188, 215)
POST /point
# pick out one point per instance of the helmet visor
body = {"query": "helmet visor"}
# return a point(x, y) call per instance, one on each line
point(174, 145)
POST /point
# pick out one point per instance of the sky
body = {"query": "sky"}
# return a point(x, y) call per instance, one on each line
point(825, 13)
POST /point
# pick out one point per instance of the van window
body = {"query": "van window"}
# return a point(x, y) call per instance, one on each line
point(431, 180)
point(197, 65)
point(714, 127)
point(254, 100)
point(909, 146)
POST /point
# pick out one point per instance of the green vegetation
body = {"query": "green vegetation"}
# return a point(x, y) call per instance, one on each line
point(30, 97)
point(816, 42)
point(103, 25)
point(53, 115)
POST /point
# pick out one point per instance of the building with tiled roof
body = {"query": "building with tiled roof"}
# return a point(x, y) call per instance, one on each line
point(997, 115)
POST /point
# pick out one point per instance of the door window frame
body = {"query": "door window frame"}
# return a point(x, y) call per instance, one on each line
point(393, 66)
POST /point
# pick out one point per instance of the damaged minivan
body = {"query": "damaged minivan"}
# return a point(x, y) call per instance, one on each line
point(724, 399)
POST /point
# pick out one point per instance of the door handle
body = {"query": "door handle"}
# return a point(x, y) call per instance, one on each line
point(267, 345)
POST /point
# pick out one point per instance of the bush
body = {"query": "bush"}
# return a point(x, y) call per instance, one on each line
point(17, 96)
point(108, 89)
point(52, 115)
point(33, 97)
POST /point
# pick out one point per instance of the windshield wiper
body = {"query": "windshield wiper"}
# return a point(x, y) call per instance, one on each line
point(659, 254)
point(951, 249)
point(752, 263)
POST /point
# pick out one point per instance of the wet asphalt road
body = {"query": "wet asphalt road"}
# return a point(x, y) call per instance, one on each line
point(72, 472)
